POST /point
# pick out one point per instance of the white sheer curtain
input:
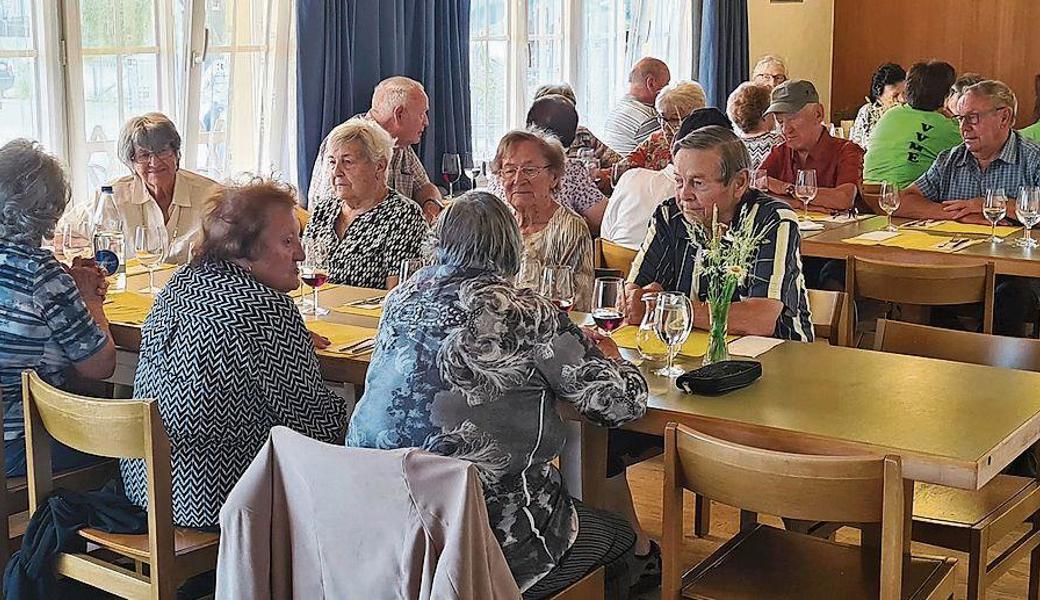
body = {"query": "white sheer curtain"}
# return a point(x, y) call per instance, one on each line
point(663, 29)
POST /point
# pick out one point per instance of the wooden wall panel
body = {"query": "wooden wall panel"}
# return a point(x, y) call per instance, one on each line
point(997, 38)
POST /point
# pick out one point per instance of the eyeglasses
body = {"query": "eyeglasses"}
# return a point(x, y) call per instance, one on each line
point(145, 157)
point(973, 118)
point(776, 79)
point(528, 172)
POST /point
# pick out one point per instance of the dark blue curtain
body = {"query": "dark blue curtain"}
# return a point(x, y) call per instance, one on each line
point(723, 49)
point(346, 47)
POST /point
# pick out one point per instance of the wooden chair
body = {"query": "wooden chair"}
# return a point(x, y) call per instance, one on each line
point(870, 194)
point(963, 520)
point(924, 285)
point(116, 429)
point(829, 311)
point(589, 587)
point(609, 255)
point(764, 562)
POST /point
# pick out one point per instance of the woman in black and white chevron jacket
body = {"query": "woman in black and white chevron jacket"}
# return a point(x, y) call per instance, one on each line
point(225, 353)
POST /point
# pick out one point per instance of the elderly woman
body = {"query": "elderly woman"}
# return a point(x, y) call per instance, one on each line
point(157, 188)
point(530, 164)
point(225, 353)
point(675, 102)
point(769, 71)
point(51, 317)
point(887, 87)
point(468, 365)
point(965, 81)
point(746, 107)
point(367, 227)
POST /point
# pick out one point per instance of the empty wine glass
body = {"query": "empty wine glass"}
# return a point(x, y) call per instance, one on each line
point(408, 268)
point(530, 273)
point(994, 208)
point(151, 245)
point(1027, 210)
point(889, 202)
point(805, 189)
point(314, 272)
point(673, 322)
point(76, 241)
point(558, 286)
point(608, 304)
point(760, 180)
point(451, 170)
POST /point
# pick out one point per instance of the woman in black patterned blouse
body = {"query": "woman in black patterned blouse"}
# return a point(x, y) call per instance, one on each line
point(225, 353)
point(367, 227)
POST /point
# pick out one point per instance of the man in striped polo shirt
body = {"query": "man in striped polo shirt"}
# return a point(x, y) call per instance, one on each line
point(711, 173)
point(635, 117)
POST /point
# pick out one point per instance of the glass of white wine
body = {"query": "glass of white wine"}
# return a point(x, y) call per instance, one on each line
point(805, 189)
point(673, 322)
point(994, 208)
point(889, 202)
point(151, 245)
point(1027, 211)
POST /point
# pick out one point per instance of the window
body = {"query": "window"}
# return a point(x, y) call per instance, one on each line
point(518, 45)
point(24, 87)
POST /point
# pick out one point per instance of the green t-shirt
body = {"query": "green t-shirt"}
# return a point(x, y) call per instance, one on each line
point(905, 142)
point(1032, 132)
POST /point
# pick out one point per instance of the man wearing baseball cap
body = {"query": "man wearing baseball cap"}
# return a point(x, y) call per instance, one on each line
point(808, 145)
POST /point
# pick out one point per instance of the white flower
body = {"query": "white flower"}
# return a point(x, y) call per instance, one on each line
point(737, 271)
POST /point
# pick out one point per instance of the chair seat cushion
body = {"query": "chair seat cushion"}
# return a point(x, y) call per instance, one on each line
point(966, 508)
point(766, 562)
point(135, 546)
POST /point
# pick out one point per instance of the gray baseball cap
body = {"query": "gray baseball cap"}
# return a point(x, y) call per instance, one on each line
point(792, 96)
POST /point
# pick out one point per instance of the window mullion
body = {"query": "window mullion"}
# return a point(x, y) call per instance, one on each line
point(520, 59)
point(193, 65)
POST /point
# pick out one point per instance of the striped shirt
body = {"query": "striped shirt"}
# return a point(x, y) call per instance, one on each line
point(672, 248)
point(956, 175)
point(629, 124)
point(565, 240)
point(44, 325)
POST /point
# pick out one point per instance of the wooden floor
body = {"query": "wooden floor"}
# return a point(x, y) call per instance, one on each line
point(645, 481)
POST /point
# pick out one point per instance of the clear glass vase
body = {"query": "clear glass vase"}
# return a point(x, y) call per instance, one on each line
point(718, 314)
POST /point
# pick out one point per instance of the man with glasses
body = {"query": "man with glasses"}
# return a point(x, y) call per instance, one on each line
point(769, 71)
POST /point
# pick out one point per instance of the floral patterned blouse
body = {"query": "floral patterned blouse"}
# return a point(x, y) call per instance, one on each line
point(467, 365)
point(653, 153)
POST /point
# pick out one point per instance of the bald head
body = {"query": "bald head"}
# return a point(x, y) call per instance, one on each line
point(646, 79)
point(399, 105)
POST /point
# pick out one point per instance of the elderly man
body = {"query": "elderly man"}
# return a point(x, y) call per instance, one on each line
point(808, 145)
point(769, 71)
point(399, 105)
point(635, 118)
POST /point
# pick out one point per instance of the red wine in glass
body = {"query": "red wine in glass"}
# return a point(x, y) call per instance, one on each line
point(314, 279)
point(451, 170)
point(608, 319)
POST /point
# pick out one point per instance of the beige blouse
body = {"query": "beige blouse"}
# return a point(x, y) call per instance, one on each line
point(566, 241)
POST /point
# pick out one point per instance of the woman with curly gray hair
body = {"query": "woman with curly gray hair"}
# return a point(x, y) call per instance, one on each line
point(51, 316)
point(466, 364)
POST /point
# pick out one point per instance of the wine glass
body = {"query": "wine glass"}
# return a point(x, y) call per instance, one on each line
point(994, 208)
point(1028, 213)
point(608, 304)
point(408, 268)
point(558, 286)
point(314, 272)
point(805, 189)
point(673, 322)
point(76, 240)
point(587, 156)
point(151, 245)
point(529, 275)
point(451, 170)
point(889, 202)
point(760, 180)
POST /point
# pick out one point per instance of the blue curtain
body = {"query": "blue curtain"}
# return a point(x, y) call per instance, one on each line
point(723, 48)
point(346, 47)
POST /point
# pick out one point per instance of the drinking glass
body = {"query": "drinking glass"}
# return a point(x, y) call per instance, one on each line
point(994, 208)
point(408, 268)
point(151, 245)
point(805, 189)
point(760, 180)
point(314, 272)
point(451, 170)
point(530, 273)
point(76, 240)
point(673, 322)
point(558, 286)
point(889, 202)
point(587, 156)
point(1028, 213)
point(608, 304)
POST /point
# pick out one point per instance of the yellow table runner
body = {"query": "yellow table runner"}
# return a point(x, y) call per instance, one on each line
point(971, 228)
point(134, 267)
point(305, 290)
point(339, 335)
point(128, 308)
point(360, 311)
point(696, 344)
point(913, 240)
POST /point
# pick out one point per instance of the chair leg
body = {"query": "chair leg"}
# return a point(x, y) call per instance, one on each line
point(1034, 564)
point(977, 559)
point(701, 516)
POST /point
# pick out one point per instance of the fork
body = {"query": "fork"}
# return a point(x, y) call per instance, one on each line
point(952, 242)
point(354, 346)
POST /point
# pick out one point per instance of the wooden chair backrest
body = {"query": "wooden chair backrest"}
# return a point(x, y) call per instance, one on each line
point(925, 285)
point(961, 346)
point(829, 310)
point(819, 488)
point(112, 428)
point(617, 257)
point(871, 195)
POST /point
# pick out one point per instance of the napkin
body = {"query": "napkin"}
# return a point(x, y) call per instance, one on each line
point(752, 346)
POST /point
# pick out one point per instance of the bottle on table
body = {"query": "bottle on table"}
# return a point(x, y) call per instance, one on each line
point(109, 238)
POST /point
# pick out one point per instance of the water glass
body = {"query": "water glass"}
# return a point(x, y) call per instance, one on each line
point(994, 208)
point(408, 268)
point(889, 202)
point(760, 180)
point(673, 321)
point(805, 189)
point(76, 241)
point(558, 286)
point(608, 304)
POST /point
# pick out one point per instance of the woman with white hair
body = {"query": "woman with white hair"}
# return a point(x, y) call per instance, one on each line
point(769, 71)
point(150, 146)
point(468, 365)
point(367, 227)
point(676, 101)
point(51, 316)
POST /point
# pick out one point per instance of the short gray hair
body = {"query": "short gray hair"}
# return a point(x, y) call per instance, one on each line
point(393, 92)
point(997, 92)
point(767, 60)
point(375, 143)
point(153, 131)
point(33, 193)
point(560, 89)
point(733, 155)
point(478, 230)
point(682, 96)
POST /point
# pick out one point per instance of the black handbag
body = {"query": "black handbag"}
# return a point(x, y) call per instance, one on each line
point(720, 377)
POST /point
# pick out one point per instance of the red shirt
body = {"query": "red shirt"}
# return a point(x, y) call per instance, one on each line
point(836, 161)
